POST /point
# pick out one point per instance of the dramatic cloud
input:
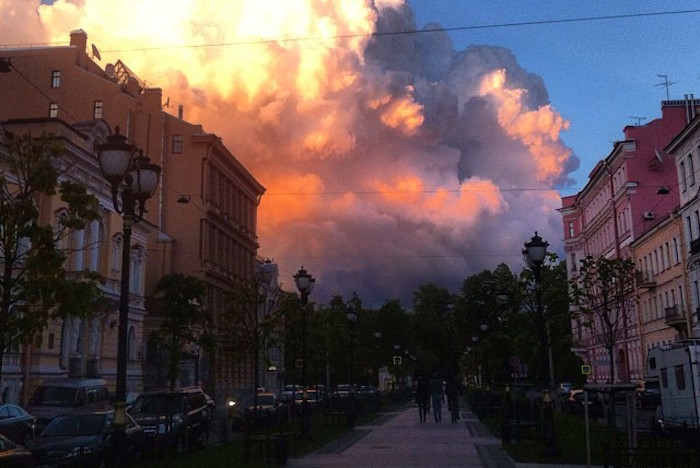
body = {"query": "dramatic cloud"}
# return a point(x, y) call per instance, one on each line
point(389, 160)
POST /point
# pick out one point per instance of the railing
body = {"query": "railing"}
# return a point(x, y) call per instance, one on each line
point(645, 279)
point(673, 313)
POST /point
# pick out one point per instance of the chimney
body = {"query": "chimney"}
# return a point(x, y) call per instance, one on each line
point(78, 39)
point(180, 111)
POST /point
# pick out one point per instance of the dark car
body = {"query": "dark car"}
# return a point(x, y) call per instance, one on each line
point(267, 405)
point(177, 420)
point(66, 395)
point(86, 439)
point(16, 424)
point(13, 455)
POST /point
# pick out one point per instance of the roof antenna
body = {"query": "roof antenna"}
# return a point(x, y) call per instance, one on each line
point(638, 119)
point(665, 83)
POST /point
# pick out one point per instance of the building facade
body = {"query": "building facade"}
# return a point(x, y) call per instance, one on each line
point(202, 221)
point(686, 150)
point(662, 284)
point(619, 203)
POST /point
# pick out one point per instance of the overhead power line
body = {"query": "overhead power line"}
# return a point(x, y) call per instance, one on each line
point(413, 31)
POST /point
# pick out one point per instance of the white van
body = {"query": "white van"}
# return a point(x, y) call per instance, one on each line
point(63, 395)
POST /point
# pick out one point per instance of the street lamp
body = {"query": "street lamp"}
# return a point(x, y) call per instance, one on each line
point(352, 316)
point(534, 253)
point(305, 284)
point(132, 176)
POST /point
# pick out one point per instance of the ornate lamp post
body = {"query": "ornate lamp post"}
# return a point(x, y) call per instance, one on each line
point(132, 176)
point(352, 316)
point(305, 284)
point(534, 253)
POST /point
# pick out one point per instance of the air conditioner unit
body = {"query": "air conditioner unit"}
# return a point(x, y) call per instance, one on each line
point(648, 215)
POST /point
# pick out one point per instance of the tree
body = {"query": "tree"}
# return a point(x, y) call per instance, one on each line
point(603, 292)
point(35, 286)
point(253, 322)
point(184, 322)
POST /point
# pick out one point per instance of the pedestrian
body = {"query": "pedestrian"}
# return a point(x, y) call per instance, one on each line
point(437, 395)
point(422, 397)
point(453, 393)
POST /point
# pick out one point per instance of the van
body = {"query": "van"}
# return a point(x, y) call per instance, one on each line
point(59, 396)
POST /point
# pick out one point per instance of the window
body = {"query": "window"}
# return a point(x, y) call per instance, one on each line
point(683, 180)
point(691, 170)
point(571, 229)
point(680, 377)
point(177, 144)
point(676, 253)
point(53, 110)
point(55, 79)
point(52, 340)
point(97, 110)
point(664, 378)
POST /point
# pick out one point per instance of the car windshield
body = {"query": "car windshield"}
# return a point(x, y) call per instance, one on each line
point(77, 425)
point(53, 396)
point(156, 404)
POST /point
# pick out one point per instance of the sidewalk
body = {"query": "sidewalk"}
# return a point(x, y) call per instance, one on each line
point(400, 440)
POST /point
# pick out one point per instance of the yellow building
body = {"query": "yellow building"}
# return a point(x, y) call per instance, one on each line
point(662, 284)
point(202, 221)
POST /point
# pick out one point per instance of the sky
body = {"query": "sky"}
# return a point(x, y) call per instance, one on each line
point(394, 160)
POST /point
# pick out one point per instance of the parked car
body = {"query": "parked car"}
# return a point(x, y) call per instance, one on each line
point(85, 439)
point(648, 394)
point(13, 455)
point(289, 392)
point(267, 405)
point(177, 420)
point(16, 424)
point(55, 397)
point(343, 391)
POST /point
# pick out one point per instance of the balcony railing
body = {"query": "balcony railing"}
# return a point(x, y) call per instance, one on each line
point(695, 246)
point(645, 279)
point(673, 314)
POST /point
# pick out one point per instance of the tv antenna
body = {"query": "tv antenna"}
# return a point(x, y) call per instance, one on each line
point(666, 84)
point(638, 119)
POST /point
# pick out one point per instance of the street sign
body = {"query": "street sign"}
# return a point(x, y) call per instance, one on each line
point(398, 360)
point(586, 369)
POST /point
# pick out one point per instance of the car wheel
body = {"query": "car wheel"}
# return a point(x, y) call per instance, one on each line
point(27, 436)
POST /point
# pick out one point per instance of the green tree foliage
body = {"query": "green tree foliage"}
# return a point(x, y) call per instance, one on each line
point(254, 321)
point(604, 293)
point(184, 322)
point(35, 286)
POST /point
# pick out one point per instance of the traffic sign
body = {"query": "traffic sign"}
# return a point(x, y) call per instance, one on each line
point(398, 360)
point(299, 363)
point(586, 369)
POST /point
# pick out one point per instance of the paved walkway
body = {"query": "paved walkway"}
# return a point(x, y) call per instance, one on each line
point(400, 440)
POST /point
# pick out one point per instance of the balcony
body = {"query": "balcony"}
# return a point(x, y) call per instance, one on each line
point(645, 279)
point(675, 317)
point(695, 246)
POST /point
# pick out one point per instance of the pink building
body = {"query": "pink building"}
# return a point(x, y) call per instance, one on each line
point(619, 203)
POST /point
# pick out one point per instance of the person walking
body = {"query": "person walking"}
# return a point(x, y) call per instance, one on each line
point(453, 393)
point(437, 395)
point(422, 397)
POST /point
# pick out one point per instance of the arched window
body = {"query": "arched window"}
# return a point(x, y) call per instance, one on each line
point(95, 242)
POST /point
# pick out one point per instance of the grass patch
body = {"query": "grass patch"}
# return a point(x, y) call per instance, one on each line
point(232, 452)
